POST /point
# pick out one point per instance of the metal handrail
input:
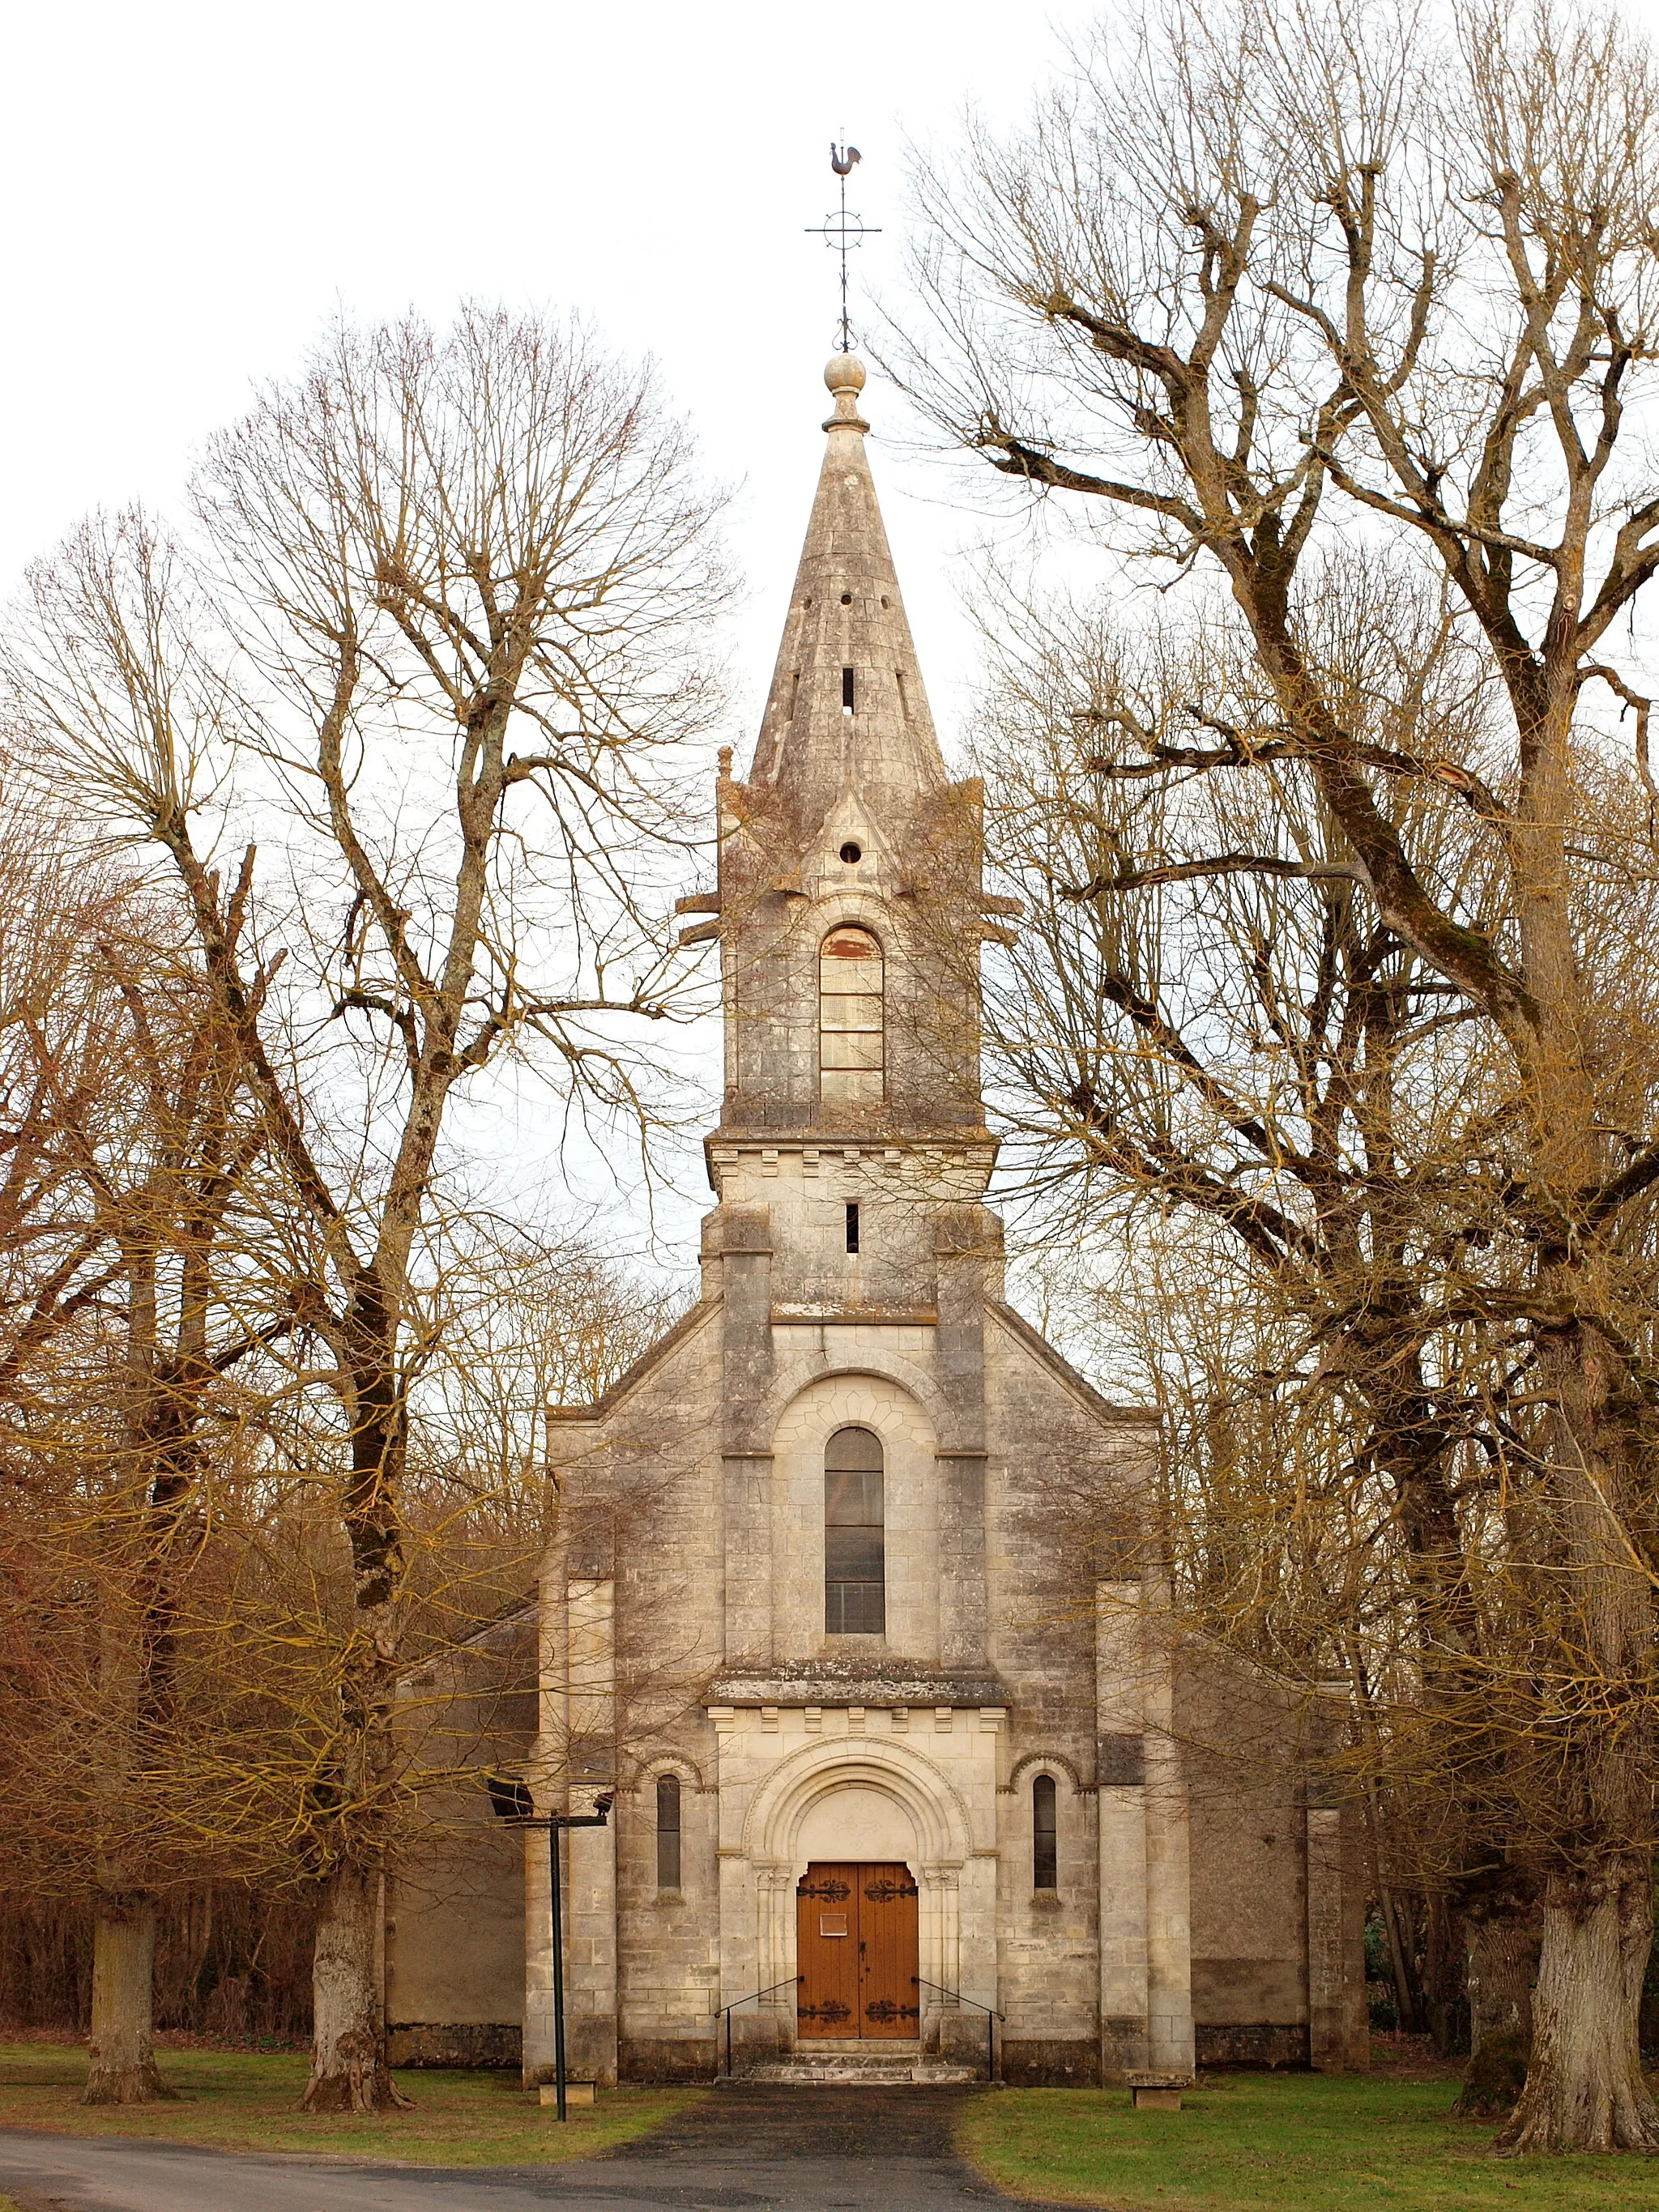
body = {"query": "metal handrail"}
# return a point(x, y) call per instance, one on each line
point(753, 1997)
point(992, 2016)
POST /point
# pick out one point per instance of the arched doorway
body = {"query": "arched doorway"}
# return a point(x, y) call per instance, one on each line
point(871, 1801)
point(856, 1950)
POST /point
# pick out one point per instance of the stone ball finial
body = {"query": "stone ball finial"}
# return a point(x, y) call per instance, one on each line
point(845, 373)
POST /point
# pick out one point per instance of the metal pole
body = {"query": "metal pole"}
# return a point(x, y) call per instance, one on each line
point(558, 1962)
point(512, 1802)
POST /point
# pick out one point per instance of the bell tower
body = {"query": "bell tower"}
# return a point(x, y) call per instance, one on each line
point(850, 912)
point(850, 894)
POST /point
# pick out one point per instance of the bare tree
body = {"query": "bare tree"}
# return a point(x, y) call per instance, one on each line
point(1257, 282)
point(1255, 1054)
point(129, 1139)
point(430, 543)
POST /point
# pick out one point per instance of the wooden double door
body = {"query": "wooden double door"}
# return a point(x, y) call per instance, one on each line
point(856, 1956)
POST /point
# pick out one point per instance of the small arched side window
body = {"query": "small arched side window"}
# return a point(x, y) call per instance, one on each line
point(1045, 1834)
point(854, 1535)
point(851, 1056)
point(668, 1831)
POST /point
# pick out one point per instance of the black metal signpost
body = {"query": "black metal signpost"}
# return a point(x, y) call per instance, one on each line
point(512, 1801)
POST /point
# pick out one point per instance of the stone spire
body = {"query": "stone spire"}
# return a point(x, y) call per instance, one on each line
point(849, 863)
point(846, 714)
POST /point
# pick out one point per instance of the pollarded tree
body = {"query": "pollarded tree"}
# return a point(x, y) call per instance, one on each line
point(1258, 284)
point(461, 585)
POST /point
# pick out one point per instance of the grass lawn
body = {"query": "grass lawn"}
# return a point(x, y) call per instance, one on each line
point(246, 2101)
point(1294, 2142)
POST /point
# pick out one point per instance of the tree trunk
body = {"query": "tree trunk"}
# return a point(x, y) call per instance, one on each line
point(1584, 2088)
point(124, 2069)
point(1440, 1977)
point(1500, 1960)
point(349, 2071)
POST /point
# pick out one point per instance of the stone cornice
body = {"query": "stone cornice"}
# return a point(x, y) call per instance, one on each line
point(878, 1685)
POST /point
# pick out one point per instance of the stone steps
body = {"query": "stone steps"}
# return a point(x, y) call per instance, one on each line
point(835, 2071)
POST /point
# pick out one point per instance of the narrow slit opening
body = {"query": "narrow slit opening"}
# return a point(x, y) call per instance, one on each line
point(852, 1225)
point(846, 697)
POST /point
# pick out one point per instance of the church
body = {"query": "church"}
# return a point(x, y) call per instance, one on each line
point(852, 1606)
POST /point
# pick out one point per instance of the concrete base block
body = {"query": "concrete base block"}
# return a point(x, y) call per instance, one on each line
point(1158, 2089)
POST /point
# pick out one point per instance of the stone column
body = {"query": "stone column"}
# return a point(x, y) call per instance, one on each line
point(745, 1941)
point(549, 1766)
point(967, 1248)
point(962, 1622)
point(741, 1236)
point(1338, 2041)
point(1168, 1865)
point(774, 1952)
point(1121, 1756)
point(538, 2057)
point(590, 1854)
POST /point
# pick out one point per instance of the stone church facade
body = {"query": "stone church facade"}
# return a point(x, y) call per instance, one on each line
point(851, 1605)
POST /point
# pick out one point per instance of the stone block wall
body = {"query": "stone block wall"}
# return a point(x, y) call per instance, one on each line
point(668, 1956)
point(454, 1932)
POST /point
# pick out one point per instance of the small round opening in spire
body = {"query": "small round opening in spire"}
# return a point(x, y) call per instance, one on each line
point(845, 373)
point(847, 598)
point(852, 854)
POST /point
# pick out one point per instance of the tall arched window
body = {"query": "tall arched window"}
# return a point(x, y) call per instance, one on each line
point(668, 1831)
point(1045, 1834)
point(850, 1055)
point(855, 1539)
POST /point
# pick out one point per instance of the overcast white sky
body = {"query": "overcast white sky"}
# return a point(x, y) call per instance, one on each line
point(191, 190)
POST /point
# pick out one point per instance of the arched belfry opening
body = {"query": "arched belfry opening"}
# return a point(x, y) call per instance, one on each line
point(852, 1018)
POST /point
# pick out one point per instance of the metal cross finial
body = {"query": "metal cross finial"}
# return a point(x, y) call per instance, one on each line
point(844, 234)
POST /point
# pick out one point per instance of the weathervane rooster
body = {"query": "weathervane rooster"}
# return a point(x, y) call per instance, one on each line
point(848, 232)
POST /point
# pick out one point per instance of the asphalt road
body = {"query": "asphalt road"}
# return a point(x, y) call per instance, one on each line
point(810, 2150)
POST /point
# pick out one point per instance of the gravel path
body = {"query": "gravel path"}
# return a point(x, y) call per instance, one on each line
point(808, 2150)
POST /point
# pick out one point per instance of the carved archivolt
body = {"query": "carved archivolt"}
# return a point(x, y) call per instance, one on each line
point(937, 1810)
point(817, 1367)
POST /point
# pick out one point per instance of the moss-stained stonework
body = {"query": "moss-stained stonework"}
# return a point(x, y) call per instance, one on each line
point(1195, 1905)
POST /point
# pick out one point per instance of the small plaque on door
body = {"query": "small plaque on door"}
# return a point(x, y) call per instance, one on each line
point(832, 1924)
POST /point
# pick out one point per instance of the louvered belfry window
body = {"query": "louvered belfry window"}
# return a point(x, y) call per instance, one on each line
point(850, 1070)
point(854, 1536)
